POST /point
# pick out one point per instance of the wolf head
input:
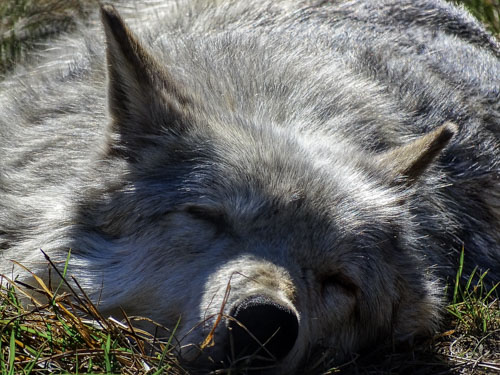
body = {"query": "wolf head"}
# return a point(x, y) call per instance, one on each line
point(270, 237)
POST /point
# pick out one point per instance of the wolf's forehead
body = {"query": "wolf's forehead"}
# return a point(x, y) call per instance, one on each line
point(293, 186)
point(254, 167)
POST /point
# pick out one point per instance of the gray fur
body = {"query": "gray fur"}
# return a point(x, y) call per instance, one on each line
point(291, 149)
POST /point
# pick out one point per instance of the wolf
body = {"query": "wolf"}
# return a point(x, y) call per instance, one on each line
point(280, 177)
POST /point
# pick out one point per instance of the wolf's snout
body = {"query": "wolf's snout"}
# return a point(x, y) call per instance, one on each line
point(262, 327)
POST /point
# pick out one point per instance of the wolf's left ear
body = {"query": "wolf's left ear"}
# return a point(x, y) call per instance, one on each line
point(143, 98)
point(408, 162)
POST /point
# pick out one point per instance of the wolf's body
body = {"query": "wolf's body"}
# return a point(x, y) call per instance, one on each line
point(261, 147)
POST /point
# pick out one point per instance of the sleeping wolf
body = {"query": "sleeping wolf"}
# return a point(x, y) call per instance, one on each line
point(284, 176)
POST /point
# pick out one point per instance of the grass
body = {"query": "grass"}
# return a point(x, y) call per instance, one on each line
point(471, 304)
point(63, 332)
point(25, 24)
point(487, 11)
point(469, 343)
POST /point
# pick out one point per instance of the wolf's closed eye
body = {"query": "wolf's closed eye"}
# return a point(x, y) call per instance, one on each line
point(211, 215)
point(337, 280)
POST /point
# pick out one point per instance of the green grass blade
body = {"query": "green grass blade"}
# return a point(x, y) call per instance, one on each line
point(169, 343)
point(3, 370)
point(107, 349)
point(65, 270)
point(459, 275)
point(491, 291)
point(29, 367)
point(471, 277)
point(90, 364)
point(12, 352)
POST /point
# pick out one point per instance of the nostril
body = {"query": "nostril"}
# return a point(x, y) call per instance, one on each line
point(259, 321)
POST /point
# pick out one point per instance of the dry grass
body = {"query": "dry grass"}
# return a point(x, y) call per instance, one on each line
point(55, 332)
point(65, 333)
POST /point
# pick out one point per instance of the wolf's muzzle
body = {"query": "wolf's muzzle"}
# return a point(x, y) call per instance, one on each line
point(262, 329)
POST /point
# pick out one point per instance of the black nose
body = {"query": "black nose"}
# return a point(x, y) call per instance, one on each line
point(259, 321)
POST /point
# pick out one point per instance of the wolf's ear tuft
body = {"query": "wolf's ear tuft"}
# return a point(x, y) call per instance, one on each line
point(409, 162)
point(143, 99)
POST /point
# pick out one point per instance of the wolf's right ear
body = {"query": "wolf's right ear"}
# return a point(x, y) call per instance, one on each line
point(408, 162)
point(144, 101)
